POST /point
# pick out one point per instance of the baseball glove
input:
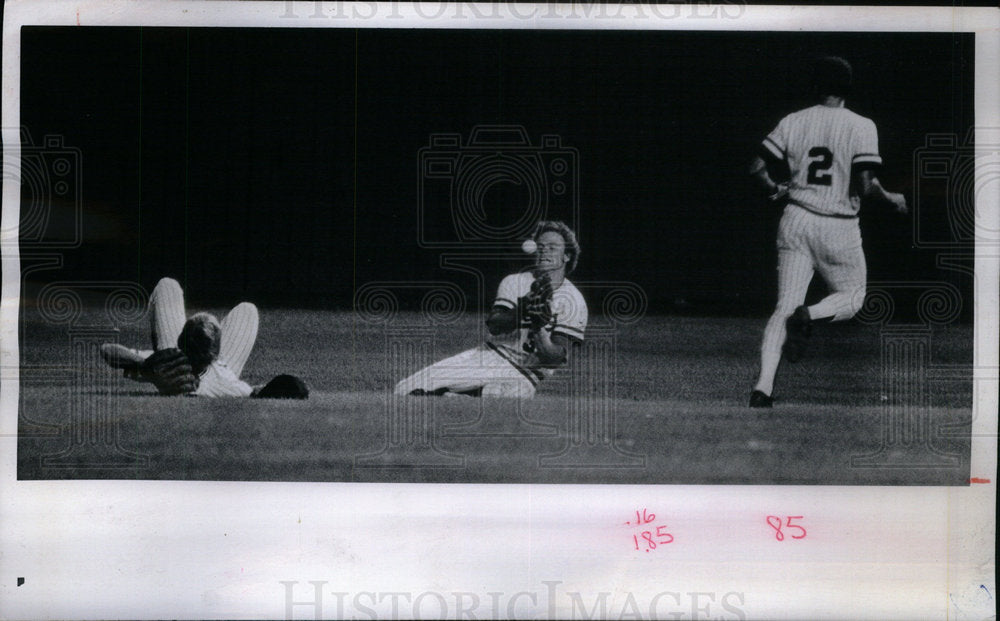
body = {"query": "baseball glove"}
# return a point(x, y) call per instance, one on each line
point(283, 387)
point(537, 305)
point(170, 371)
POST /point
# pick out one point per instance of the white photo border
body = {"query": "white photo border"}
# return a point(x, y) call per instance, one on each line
point(144, 549)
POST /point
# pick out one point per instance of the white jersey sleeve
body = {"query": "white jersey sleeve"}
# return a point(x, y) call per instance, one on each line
point(513, 287)
point(866, 145)
point(775, 142)
point(218, 380)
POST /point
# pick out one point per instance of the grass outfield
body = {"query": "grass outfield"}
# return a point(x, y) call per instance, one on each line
point(676, 412)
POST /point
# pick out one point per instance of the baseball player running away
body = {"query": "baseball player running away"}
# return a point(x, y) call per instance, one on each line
point(198, 356)
point(832, 158)
point(537, 317)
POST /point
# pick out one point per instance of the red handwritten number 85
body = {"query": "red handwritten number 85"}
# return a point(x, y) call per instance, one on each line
point(775, 522)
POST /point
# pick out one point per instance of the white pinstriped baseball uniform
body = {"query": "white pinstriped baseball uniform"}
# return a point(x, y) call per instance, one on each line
point(819, 229)
point(239, 332)
point(821, 145)
point(502, 366)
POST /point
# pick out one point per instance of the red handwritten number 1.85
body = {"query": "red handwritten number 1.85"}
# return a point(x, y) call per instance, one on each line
point(647, 537)
point(662, 538)
point(775, 522)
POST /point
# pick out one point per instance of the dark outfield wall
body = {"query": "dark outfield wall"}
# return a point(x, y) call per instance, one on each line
point(293, 166)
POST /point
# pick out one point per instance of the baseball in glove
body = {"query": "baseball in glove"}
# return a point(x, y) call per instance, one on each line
point(170, 371)
point(536, 308)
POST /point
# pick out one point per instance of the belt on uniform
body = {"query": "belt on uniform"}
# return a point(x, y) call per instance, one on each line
point(532, 375)
point(819, 213)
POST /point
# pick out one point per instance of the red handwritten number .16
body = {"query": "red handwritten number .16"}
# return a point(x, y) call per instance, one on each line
point(775, 522)
point(645, 518)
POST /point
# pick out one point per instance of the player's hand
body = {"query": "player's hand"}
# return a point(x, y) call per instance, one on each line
point(537, 305)
point(898, 202)
point(550, 353)
point(170, 371)
point(780, 191)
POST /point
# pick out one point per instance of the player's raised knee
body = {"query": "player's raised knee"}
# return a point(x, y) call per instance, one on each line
point(246, 312)
point(167, 288)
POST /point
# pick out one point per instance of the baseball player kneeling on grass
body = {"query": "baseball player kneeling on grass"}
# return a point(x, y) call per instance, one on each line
point(537, 317)
point(832, 158)
point(200, 355)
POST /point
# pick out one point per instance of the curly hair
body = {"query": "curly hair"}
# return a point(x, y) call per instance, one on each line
point(200, 340)
point(569, 238)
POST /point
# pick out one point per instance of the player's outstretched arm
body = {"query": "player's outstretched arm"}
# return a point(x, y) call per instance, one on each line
point(871, 188)
point(552, 351)
point(501, 320)
point(170, 371)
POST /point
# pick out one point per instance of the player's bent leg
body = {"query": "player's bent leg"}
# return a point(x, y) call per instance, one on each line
point(239, 333)
point(798, 327)
point(462, 372)
point(167, 316)
point(506, 381)
point(513, 388)
point(839, 306)
point(842, 265)
point(415, 384)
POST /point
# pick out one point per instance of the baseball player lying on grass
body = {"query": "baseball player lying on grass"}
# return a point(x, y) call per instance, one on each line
point(832, 156)
point(537, 317)
point(198, 356)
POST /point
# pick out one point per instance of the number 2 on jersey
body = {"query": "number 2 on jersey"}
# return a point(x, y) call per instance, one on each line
point(821, 162)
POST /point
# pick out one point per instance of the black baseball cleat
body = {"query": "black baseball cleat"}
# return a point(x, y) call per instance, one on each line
point(760, 400)
point(798, 326)
point(420, 392)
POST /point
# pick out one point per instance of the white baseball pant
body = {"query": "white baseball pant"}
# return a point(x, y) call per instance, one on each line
point(480, 367)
